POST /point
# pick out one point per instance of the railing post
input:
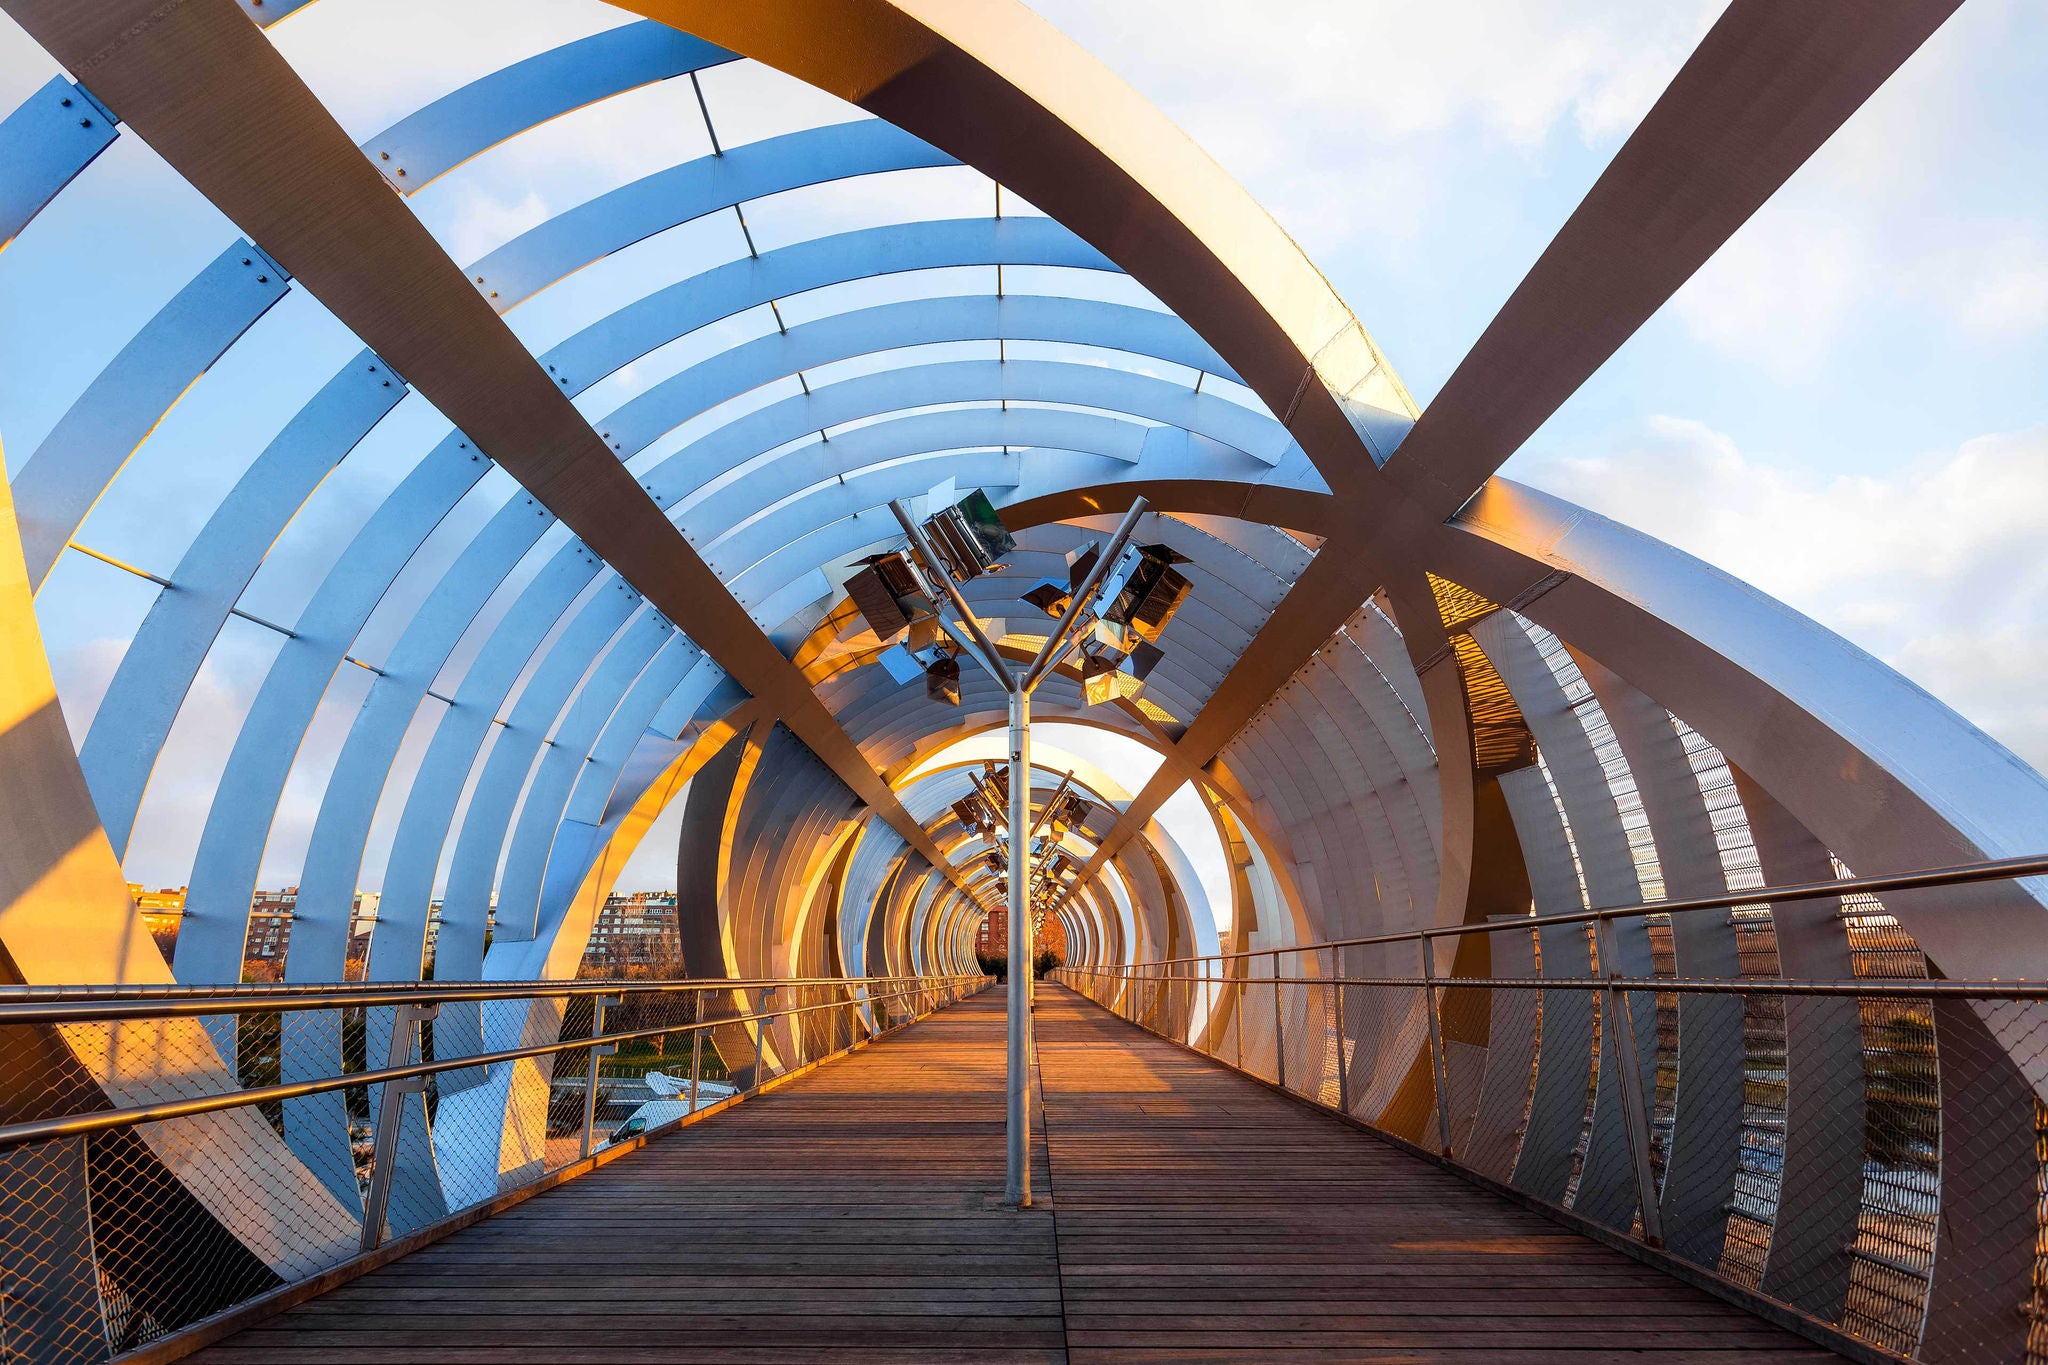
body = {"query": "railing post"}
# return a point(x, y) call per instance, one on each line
point(1279, 1046)
point(761, 1030)
point(1343, 1061)
point(405, 1032)
point(597, 1049)
point(1635, 1111)
point(1237, 994)
point(696, 1060)
point(1436, 1050)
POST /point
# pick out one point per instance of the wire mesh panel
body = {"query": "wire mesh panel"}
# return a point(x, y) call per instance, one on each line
point(159, 1165)
point(1868, 1149)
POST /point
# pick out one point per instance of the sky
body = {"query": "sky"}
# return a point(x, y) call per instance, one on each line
point(1845, 407)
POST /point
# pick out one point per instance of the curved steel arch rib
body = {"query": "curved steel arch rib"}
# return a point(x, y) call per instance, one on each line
point(1787, 701)
point(158, 668)
point(431, 141)
point(45, 142)
point(1765, 88)
point(1006, 93)
point(372, 746)
point(220, 104)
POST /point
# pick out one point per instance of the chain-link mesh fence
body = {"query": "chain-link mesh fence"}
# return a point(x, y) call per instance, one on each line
point(166, 1154)
point(1870, 1152)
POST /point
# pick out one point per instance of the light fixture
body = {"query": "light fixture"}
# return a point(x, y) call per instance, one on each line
point(1144, 590)
point(889, 595)
point(969, 536)
point(942, 679)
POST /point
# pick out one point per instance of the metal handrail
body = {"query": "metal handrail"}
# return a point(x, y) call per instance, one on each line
point(1959, 874)
point(1880, 986)
point(103, 1120)
point(79, 1004)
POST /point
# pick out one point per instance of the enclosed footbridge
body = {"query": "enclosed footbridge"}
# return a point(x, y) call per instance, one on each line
point(1606, 959)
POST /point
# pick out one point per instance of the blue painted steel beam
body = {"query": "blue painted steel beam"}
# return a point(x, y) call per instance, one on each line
point(334, 855)
point(468, 1164)
point(327, 885)
point(640, 422)
point(126, 739)
point(160, 663)
point(49, 138)
point(56, 487)
point(590, 749)
point(395, 951)
point(432, 141)
point(355, 775)
point(629, 757)
point(615, 220)
point(231, 846)
point(544, 723)
point(718, 520)
point(727, 290)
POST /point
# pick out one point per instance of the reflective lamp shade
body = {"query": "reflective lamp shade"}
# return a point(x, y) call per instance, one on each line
point(1108, 674)
point(969, 811)
point(969, 536)
point(1072, 812)
point(942, 680)
point(1151, 594)
point(986, 524)
point(1078, 565)
point(1049, 596)
point(887, 594)
point(1098, 679)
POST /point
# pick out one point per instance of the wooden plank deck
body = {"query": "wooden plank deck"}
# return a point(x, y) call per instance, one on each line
point(1202, 1217)
point(856, 1216)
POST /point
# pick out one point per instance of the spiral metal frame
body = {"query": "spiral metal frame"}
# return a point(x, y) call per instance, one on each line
point(1410, 693)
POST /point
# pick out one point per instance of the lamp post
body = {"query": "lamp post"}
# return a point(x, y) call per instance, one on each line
point(1017, 1185)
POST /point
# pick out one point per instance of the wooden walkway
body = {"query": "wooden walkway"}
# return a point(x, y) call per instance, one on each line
point(855, 1216)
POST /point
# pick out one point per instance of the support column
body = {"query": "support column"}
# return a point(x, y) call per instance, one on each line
point(1018, 1187)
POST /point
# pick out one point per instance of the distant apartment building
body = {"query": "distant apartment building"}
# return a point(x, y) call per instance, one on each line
point(271, 915)
point(635, 932)
point(362, 922)
point(268, 937)
point(993, 938)
point(270, 931)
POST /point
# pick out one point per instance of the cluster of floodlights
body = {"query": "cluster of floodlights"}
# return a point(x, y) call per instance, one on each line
point(1116, 633)
point(984, 810)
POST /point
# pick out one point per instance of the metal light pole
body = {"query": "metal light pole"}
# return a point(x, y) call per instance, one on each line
point(1017, 1185)
point(1017, 1181)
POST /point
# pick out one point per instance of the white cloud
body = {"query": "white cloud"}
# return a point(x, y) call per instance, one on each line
point(24, 66)
point(1779, 291)
point(83, 672)
point(1325, 108)
point(1879, 218)
point(374, 61)
point(1998, 287)
point(481, 223)
point(1937, 570)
